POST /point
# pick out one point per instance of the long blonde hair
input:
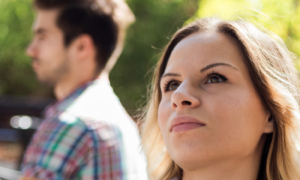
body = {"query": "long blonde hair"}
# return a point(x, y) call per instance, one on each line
point(275, 78)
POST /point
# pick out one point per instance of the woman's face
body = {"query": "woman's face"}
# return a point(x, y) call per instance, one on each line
point(210, 111)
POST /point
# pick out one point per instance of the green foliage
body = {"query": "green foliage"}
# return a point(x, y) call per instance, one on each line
point(16, 75)
point(156, 21)
point(281, 17)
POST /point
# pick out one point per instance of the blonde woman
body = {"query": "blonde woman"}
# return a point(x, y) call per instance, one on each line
point(224, 105)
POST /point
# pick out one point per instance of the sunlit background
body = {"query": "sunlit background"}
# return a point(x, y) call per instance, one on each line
point(22, 98)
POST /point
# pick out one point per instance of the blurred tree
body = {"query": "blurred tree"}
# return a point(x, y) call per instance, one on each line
point(156, 20)
point(281, 17)
point(16, 75)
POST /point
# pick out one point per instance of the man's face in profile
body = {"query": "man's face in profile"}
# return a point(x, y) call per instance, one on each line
point(47, 50)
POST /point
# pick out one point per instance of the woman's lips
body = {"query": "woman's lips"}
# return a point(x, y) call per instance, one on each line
point(185, 123)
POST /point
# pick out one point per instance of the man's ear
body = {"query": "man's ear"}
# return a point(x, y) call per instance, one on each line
point(84, 46)
point(269, 123)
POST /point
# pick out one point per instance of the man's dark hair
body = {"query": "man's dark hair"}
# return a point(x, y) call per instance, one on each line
point(77, 17)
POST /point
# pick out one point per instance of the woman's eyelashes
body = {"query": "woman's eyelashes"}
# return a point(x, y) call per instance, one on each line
point(171, 85)
point(213, 77)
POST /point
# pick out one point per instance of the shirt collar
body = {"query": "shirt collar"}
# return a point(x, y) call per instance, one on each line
point(60, 105)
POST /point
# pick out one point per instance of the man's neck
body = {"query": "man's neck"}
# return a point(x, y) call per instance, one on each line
point(62, 90)
point(68, 85)
point(104, 76)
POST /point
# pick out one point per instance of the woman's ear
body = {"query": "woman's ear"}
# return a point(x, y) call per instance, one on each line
point(269, 123)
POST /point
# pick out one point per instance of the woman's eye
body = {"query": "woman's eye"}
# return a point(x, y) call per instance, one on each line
point(216, 79)
point(173, 85)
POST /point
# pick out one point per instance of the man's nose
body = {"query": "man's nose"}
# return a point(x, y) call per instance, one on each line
point(30, 50)
point(183, 97)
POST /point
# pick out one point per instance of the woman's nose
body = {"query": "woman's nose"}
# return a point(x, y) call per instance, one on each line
point(183, 98)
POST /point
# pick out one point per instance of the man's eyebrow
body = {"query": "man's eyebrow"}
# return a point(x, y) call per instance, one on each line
point(170, 74)
point(214, 65)
point(39, 31)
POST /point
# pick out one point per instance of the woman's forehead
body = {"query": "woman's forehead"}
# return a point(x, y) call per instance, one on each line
point(201, 49)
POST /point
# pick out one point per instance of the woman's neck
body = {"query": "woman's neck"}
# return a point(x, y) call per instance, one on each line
point(224, 171)
point(246, 168)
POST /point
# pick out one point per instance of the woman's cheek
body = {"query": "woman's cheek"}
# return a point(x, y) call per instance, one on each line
point(163, 114)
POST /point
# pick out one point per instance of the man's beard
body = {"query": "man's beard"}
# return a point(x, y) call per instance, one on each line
point(52, 77)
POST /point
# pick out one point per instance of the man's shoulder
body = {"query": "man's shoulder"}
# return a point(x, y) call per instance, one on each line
point(67, 135)
point(62, 122)
point(99, 104)
point(99, 130)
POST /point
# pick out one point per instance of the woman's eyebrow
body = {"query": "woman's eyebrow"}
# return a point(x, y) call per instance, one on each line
point(216, 64)
point(170, 74)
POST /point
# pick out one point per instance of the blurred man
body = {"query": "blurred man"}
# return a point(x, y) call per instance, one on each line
point(86, 134)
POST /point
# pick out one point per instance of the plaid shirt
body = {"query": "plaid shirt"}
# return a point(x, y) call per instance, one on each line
point(88, 135)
